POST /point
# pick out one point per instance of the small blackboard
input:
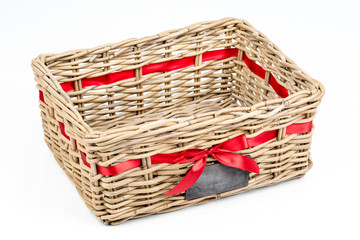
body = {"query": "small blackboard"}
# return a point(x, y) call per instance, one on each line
point(217, 178)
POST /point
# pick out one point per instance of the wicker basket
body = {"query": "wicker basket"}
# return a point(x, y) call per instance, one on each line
point(134, 123)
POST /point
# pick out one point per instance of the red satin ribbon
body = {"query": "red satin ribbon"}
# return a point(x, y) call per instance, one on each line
point(115, 169)
point(223, 152)
point(41, 97)
point(258, 70)
point(176, 64)
point(297, 128)
point(62, 129)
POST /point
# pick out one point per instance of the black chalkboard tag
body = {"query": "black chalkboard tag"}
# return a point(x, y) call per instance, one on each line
point(217, 178)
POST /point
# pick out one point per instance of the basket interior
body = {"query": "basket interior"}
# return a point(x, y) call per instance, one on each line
point(168, 76)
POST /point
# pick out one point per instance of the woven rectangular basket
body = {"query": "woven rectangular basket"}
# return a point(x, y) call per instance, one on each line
point(152, 125)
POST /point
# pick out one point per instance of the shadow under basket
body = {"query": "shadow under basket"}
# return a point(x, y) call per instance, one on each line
point(156, 124)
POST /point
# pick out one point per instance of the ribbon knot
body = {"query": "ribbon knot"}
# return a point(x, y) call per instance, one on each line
point(210, 150)
point(223, 153)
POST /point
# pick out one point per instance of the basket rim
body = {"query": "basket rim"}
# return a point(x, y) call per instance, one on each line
point(160, 37)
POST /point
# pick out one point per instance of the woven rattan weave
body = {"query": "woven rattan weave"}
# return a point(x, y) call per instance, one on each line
point(182, 89)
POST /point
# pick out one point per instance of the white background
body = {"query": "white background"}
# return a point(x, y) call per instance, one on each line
point(322, 37)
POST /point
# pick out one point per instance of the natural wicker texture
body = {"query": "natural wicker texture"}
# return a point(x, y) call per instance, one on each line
point(163, 112)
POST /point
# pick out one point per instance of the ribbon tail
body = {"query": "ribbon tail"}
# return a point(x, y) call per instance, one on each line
point(237, 161)
point(190, 178)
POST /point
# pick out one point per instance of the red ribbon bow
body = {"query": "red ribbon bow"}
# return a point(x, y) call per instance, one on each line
point(222, 152)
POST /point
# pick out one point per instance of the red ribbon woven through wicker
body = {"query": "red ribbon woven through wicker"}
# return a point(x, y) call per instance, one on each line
point(223, 152)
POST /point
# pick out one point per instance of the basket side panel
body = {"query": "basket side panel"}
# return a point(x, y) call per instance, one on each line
point(59, 135)
point(129, 195)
